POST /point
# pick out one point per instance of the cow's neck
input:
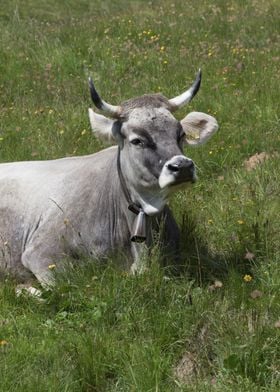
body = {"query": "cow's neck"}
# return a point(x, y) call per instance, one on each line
point(110, 218)
point(138, 232)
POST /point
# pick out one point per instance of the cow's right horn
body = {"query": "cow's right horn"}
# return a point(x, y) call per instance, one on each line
point(114, 111)
point(187, 96)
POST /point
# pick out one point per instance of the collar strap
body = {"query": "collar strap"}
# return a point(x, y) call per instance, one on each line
point(134, 207)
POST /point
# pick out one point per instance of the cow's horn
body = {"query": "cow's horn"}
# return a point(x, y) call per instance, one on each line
point(100, 104)
point(188, 95)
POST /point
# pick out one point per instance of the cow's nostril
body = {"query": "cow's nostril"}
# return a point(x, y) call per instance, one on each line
point(189, 164)
point(173, 167)
point(183, 165)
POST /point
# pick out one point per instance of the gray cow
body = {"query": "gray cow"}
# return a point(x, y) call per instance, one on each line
point(89, 204)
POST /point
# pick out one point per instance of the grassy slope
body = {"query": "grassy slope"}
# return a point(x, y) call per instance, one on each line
point(105, 330)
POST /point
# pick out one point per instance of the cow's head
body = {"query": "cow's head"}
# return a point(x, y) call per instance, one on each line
point(151, 142)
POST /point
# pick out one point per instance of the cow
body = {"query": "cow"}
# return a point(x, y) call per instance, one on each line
point(107, 202)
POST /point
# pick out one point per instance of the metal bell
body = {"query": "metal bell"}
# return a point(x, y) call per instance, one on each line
point(139, 228)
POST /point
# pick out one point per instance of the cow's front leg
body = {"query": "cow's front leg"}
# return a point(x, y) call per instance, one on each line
point(140, 257)
point(41, 260)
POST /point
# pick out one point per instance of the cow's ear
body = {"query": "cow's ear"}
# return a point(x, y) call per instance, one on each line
point(103, 127)
point(198, 127)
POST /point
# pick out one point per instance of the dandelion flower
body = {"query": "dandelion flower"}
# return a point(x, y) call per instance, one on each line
point(52, 266)
point(247, 278)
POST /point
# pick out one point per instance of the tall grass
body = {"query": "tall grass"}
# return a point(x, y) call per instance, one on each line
point(100, 329)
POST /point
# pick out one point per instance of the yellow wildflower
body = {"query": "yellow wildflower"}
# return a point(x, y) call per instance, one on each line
point(52, 266)
point(247, 278)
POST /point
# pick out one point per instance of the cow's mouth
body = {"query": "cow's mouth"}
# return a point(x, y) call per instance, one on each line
point(180, 183)
point(189, 180)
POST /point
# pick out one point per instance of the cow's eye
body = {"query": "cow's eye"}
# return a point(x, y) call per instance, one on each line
point(137, 142)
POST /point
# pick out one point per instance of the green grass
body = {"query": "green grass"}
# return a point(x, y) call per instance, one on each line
point(99, 329)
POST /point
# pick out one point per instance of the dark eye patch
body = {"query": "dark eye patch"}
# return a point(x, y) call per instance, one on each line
point(146, 137)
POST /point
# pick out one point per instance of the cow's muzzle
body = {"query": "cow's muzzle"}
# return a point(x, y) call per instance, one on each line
point(178, 170)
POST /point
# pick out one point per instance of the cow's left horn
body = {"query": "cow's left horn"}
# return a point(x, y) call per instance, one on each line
point(188, 95)
point(100, 104)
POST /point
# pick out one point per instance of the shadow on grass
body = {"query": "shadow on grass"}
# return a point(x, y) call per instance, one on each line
point(202, 264)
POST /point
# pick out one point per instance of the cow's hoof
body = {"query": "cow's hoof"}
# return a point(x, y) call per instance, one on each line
point(22, 289)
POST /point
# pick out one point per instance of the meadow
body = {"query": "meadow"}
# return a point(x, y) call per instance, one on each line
point(216, 326)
